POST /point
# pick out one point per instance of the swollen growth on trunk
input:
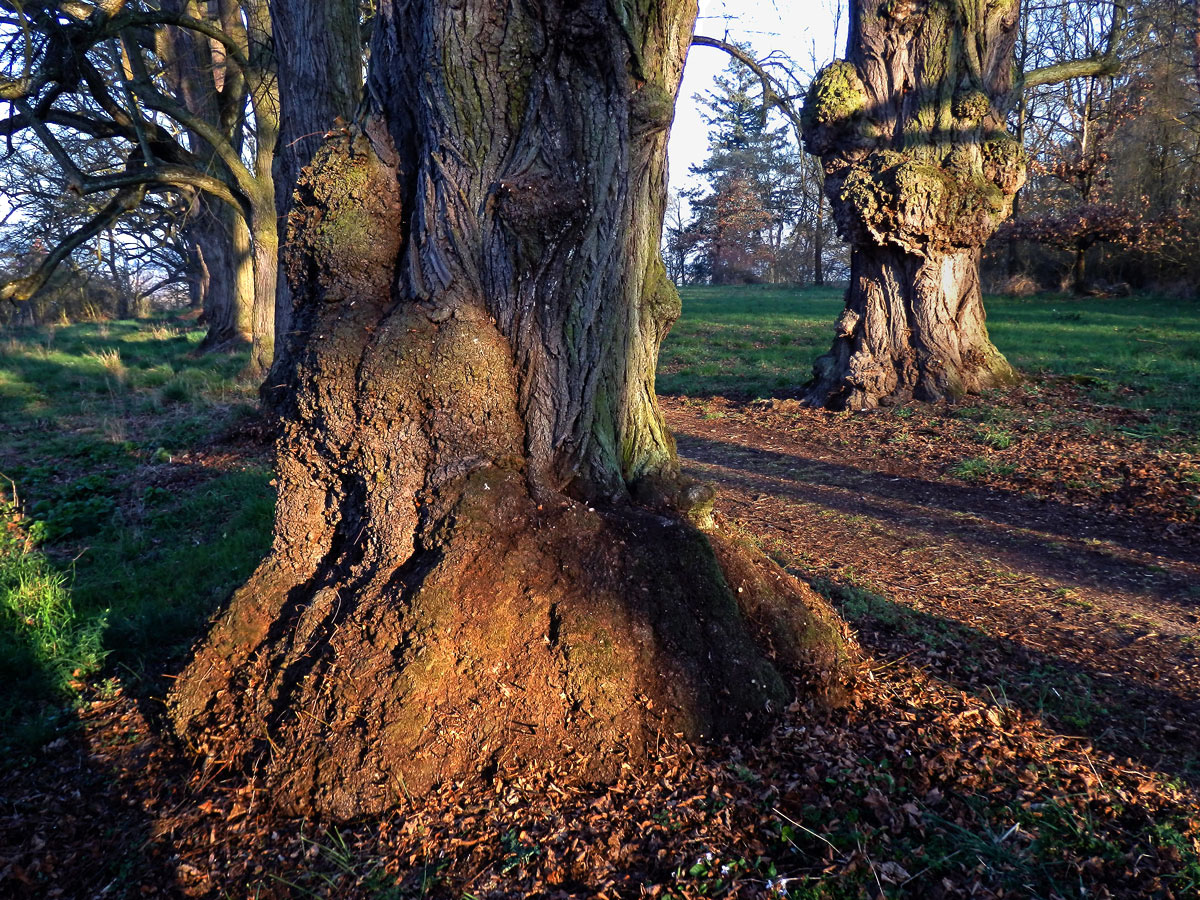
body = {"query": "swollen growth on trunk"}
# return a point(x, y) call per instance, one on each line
point(484, 554)
point(920, 172)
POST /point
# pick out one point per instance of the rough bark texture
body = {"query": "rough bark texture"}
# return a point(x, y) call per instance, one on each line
point(318, 48)
point(461, 580)
point(920, 171)
point(255, 32)
point(229, 298)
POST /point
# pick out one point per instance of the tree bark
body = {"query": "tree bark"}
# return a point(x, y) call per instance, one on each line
point(318, 50)
point(919, 171)
point(263, 82)
point(819, 243)
point(484, 554)
point(244, 293)
point(210, 230)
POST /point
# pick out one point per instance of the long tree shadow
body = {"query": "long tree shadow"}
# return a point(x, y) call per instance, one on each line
point(1117, 714)
point(1048, 537)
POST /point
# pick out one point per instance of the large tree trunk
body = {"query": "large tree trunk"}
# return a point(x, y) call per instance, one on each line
point(920, 172)
point(819, 243)
point(484, 555)
point(265, 269)
point(263, 80)
point(913, 328)
point(318, 45)
point(230, 291)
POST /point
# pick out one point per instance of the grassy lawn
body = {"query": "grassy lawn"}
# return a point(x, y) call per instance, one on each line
point(130, 539)
point(1139, 353)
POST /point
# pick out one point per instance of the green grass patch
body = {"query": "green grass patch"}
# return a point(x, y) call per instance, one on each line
point(126, 548)
point(45, 646)
point(746, 341)
point(979, 468)
point(1139, 353)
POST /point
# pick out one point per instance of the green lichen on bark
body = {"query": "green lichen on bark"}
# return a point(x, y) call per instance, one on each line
point(1004, 162)
point(903, 200)
point(651, 108)
point(834, 110)
point(836, 94)
point(343, 231)
point(660, 298)
point(973, 106)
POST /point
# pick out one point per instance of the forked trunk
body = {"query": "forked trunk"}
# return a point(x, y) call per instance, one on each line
point(919, 171)
point(484, 556)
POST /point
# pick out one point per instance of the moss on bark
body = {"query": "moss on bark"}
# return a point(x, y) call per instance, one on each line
point(920, 173)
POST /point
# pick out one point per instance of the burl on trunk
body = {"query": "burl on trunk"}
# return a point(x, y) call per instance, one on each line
point(484, 554)
point(920, 171)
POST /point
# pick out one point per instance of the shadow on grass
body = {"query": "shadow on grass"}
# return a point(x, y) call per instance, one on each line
point(1035, 529)
point(1118, 715)
point(146, 545)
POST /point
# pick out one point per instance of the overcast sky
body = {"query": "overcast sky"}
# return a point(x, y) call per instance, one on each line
point(800, 28)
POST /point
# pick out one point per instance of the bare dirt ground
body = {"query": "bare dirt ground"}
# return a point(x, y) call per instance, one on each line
point(1079, 602)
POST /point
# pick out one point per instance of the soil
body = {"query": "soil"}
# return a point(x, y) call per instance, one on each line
point(1040, 576)
point(1033, 666)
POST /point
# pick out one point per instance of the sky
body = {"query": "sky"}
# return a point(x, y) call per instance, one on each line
point(803, 29)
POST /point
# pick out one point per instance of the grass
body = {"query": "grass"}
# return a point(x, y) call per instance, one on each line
point(1139, 353)
point(45, 646)
point(746, 341)
point(126, 546)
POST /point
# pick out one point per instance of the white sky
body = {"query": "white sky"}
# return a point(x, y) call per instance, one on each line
point(803, 29)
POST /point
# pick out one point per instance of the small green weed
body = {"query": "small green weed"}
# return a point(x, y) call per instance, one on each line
point(995, 438)
point(979, 468)
point(45, 648)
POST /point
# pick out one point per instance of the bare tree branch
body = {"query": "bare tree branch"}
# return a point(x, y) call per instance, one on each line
point(21, 289)
point(1103, 65)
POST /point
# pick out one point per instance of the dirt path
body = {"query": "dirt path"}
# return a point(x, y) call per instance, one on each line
point(1085, 613)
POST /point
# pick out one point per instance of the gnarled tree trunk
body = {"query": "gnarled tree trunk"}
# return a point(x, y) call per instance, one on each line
point(318, 46)
point(920, 171)
point(484, 555)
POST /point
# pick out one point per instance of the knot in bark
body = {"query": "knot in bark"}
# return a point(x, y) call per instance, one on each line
point(834, 114)
point(925, 203)
point(344, 231)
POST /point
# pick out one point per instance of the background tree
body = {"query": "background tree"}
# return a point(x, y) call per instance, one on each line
point(749, 143)
point(1114, 160)
point(127, 262)
point(484, 554)
point(747, 208)
point(186, 90)
point(920, 169)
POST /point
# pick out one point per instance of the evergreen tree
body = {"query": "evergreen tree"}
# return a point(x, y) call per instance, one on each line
point(744, 215)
